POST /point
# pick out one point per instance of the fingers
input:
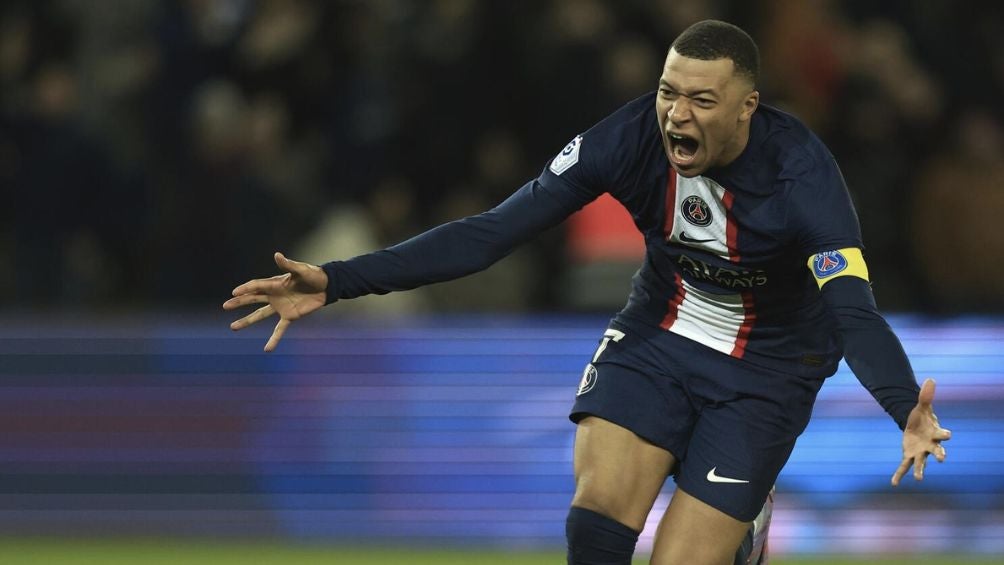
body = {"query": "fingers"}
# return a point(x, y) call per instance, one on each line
point(926, 393)
point(252, 318)
point(261, 286)
point(257, 316)
point(286, 264)
point(919, 464)
point(271, 284)
point(277, 334)
point(943, 435)
point(901, 470)
point(259, 291)
point(939, 453)
point(244, 300)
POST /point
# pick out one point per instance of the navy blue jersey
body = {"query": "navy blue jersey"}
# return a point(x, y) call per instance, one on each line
point(726, 251)
point(735, 258)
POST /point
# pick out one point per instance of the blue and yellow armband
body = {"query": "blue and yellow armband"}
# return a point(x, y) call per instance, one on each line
point(830, 265)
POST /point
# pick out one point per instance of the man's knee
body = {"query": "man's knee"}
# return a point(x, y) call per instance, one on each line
point(596, 539)
point(607, 501)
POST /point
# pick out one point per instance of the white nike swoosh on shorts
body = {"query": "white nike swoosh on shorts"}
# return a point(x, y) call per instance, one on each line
point(720, 479)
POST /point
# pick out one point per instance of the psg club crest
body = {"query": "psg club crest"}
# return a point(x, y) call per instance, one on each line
point(696, 211)
point(828, 264)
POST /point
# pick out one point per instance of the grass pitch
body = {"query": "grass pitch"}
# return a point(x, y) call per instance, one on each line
point(173, 552)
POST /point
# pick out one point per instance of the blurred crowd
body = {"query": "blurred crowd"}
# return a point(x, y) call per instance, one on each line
point(155, 153)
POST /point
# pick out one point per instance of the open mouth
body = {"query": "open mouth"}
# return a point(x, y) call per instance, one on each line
point(682, 148)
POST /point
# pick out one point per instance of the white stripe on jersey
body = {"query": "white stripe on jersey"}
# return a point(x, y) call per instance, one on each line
point(711, 319)
point(712, 237)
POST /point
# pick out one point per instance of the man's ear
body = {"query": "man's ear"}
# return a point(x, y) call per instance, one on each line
point(749, 105)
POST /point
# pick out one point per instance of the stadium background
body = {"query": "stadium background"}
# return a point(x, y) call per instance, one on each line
point(153, 154)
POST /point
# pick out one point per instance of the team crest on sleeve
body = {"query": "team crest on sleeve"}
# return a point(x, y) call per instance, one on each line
point(568, 156)
point(696, 211)
point(846, 262)
point(828, 263)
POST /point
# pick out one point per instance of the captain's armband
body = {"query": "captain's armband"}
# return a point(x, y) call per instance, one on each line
point(829, 265)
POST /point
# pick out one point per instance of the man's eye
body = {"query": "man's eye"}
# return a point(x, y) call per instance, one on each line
point(667, 93)
point(705, 103)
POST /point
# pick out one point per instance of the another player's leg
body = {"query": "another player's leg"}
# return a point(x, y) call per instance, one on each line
point(761, 530)
point(618, 476)
point(753, 549)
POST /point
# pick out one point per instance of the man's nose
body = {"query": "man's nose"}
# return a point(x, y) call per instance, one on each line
point(679, 112)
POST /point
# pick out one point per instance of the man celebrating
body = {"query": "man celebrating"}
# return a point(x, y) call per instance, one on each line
point(752, 289)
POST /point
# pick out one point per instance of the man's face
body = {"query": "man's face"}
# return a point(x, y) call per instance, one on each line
point(704, 110)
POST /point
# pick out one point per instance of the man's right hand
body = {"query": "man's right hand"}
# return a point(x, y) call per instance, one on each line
point(292, 295)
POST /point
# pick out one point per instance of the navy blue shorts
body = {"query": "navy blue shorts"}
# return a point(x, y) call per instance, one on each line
point(730, 424)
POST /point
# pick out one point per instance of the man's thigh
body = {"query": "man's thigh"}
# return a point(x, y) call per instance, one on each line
point(695, 533)
point(633, 425)
point(617, 473)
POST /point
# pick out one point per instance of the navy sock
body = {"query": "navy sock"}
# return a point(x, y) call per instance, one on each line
point(594, 539)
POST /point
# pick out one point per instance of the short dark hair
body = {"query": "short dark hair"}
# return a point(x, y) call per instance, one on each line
point(713, 39)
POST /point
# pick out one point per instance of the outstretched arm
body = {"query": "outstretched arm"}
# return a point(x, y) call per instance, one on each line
point(455, 249)
point(443, 253)
point(877, 359)
point(292, 295)
point(873, 352)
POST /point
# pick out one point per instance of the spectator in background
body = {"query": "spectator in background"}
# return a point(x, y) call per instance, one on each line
point(886, 94)
point(290, 165)
point(341, 99)
point(64, 199)
point(957, 237)
point(804, 57)
point(218, 201)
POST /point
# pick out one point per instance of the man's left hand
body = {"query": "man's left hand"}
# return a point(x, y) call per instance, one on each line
point(922, 436)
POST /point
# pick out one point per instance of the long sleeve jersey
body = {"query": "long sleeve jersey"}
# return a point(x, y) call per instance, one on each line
point(760, 259)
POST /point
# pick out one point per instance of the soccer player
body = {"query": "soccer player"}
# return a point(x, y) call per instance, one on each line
point(752, 288)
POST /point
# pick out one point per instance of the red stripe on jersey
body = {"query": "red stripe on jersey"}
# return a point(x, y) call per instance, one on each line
point(731, 228)
point(667, 227)
point(674, 303)
point(749, 313)
point(743, 337)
